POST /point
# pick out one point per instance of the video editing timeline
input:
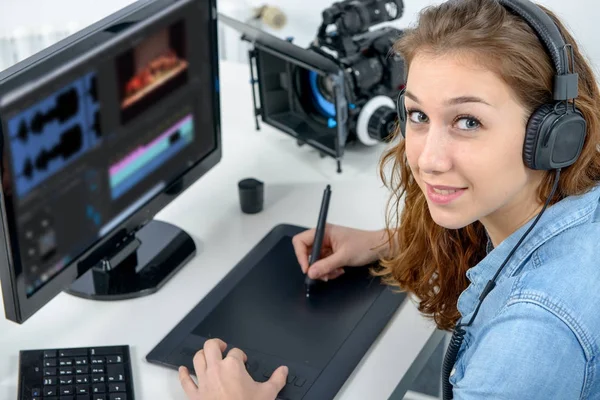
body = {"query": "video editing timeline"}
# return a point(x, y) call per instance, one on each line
point(151, 70)
point(146, 158)
point(52, 133)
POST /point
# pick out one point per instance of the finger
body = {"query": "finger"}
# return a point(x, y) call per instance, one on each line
point(277, 381)
point(187, 383)
point(199, 362)
point(336, 273)
point(237, 354)
point(302, 242)
point(213, 350)
point(325, 265)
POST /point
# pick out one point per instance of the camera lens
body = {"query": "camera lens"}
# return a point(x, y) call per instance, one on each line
point(322, 96)
point(376, 120)
point(382, 122)
point(325, 87)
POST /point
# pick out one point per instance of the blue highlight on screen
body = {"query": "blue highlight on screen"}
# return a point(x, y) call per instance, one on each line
point(52, 133)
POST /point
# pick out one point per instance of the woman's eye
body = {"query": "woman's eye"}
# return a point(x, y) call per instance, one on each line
point(418, 117)
point(468, 123)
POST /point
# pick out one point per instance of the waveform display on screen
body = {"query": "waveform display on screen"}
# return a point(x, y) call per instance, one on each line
point(53, 132)
point(142, 161)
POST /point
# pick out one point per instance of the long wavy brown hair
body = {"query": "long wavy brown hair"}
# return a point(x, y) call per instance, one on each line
point(426, 259)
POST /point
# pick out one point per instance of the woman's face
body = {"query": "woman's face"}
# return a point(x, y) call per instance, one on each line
point(464, 143)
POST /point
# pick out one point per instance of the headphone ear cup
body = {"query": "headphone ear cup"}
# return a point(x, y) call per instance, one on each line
point(532, 134)
point(554, 137)
point(401, 110)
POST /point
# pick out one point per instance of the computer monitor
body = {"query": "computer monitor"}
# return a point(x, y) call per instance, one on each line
point(99, 133)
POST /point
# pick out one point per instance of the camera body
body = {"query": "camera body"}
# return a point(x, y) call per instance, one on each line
point(373, 75)
point(341, 89)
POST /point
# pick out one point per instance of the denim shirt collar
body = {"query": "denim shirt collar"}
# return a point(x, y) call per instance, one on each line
point(556, 218)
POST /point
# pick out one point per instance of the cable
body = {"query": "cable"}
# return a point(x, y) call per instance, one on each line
point(458, 334)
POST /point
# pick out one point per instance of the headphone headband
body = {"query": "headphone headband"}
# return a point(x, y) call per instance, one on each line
point(565, 81)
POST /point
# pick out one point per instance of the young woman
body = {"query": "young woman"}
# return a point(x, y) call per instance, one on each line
point(484, 201)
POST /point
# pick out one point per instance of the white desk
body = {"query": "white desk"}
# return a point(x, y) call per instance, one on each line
point(209, 210)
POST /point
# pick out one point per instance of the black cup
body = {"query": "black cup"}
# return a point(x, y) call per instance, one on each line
point(252, 193)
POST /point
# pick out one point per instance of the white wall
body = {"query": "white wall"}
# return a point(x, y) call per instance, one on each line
point(31, 14)
point(303, 15)
point(581, 17)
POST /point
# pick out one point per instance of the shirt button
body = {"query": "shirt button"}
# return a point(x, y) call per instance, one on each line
point(453, 371)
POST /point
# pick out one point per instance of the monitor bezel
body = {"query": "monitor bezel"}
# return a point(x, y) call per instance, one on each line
point(18, 306)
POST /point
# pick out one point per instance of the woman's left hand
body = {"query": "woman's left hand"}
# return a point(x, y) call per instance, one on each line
point(227, 378)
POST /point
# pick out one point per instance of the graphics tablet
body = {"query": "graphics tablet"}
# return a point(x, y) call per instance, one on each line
point(261, 307)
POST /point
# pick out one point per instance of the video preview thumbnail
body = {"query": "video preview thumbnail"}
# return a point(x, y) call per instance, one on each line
point(152, 70)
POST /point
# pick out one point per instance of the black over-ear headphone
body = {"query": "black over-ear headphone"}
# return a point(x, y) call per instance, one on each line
point(556, 131)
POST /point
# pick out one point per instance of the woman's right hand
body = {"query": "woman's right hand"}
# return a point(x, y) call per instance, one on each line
point(342, 247)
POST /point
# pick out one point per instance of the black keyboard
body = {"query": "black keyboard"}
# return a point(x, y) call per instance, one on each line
point(87, 373)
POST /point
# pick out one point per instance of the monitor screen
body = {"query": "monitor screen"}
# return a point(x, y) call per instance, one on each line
point(89, 148)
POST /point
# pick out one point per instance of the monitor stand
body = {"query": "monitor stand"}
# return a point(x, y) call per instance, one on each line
point(140, 266)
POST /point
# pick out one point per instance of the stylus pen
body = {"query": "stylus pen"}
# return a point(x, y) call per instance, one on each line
point(319, 235)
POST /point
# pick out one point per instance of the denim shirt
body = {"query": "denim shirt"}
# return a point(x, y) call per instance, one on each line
point(537, 333)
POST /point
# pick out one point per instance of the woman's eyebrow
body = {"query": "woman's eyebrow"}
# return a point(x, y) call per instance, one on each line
point(453, 101)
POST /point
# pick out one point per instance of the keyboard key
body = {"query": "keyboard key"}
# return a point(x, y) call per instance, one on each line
point(117, 396)
point(116, 387)
point(82, 369)
point(72, 353)
point(49, 381)
point(64, 390)
point(114, 359)
point(81, 361)
point(49, 353)
point(50, 391)
point(82, 389)
point(105, 351)
point(99, 388)
point(62, 371)
point(115, 373)
point(50, 362)
point(66, 380)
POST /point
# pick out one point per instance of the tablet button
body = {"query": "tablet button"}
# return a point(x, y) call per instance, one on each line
point(299, 382)
point(290, 378)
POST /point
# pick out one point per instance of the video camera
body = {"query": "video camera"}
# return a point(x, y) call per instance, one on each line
point(339, 90)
